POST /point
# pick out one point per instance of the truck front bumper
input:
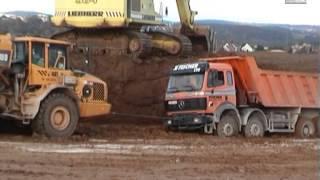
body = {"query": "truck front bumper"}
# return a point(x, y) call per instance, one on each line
point(94, 109)
point(188, 122)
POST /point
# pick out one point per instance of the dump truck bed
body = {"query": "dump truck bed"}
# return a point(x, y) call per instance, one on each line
point(273, 88)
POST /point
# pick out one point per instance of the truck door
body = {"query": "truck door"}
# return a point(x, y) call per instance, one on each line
point(37, 73)
point(221, 87)
point(57, 62)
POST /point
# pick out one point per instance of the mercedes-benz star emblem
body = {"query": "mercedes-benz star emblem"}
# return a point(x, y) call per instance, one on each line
point(181, 105)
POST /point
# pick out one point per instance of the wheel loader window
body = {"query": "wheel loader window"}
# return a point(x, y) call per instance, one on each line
point(57, 57)
point(38, 54)
point(20, 52)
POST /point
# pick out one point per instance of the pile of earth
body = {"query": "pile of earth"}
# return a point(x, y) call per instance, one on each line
point(138, 86)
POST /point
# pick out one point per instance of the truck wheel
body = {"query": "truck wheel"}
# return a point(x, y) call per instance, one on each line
point(305, 128)
point(255, 127)
point(58, 117)
point(228, 126)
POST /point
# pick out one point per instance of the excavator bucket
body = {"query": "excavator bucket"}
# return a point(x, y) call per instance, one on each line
point(201, 37)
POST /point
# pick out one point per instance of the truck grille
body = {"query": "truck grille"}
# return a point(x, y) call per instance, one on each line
point(98, 92)
point(187, 105)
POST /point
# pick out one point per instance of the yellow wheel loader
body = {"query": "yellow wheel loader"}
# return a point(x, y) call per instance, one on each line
point(38, 88)
point(128, 27)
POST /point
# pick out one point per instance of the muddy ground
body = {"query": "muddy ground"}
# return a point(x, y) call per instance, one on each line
point(141, 150)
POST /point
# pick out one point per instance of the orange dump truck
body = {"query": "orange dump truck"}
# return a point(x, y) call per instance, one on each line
point(229, 95)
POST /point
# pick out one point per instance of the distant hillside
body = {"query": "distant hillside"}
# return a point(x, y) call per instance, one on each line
point(272, 35)
point(27, 23)
point(25, 13)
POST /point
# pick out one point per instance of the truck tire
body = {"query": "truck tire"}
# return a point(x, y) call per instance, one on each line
point(305, 128)
point(58, 117)
point(254, 127)
point(228, 125)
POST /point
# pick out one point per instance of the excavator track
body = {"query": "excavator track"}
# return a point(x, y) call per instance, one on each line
point(171, 43)
point(108, 41)
point(145, 44)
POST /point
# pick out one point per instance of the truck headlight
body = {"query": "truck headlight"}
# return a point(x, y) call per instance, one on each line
point(197, 120)
point(86, 91)
point(169, 122)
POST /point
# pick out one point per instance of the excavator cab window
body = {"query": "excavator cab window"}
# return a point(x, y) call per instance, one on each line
point(57, 57)
point(38, 54)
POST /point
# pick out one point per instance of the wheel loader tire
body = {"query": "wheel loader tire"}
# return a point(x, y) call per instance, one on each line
point(58, 117)
point(255, 127)
point(228, 125)
point(305, 128)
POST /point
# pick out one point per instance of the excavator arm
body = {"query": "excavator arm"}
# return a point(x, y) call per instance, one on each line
point(186, 15)
point(202, 37)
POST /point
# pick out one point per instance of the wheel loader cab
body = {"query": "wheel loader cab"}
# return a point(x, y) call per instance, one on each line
point(42, 91)
point(43, 59)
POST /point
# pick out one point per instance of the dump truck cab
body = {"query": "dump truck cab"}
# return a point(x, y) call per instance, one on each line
point(197, 90)
point(40, 88)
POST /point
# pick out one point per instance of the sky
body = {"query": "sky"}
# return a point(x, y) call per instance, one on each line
point(252, 11)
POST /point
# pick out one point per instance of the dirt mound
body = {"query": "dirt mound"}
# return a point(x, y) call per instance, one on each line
point(288, 62)
point(139, 87)
point(133, 87)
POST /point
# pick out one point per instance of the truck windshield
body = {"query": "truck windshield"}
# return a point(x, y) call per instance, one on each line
point(20, 52)
point(190, 82)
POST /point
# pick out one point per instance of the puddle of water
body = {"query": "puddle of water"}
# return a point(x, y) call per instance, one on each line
point(97, 148)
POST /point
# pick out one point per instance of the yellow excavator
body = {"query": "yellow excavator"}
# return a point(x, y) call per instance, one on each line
point(128, 27)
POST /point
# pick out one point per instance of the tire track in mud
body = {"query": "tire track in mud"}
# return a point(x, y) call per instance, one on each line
point(164, 147)
point(188, 158)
